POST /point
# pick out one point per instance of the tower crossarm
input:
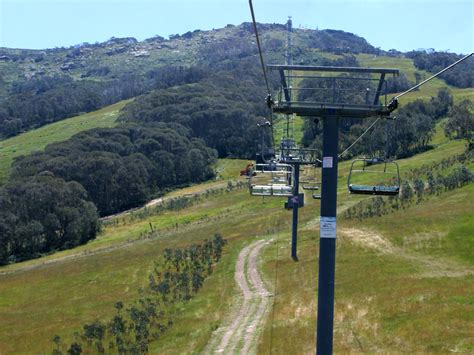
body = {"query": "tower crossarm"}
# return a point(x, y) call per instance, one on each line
point(330, 90)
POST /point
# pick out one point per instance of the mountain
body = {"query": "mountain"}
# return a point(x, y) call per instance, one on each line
point(146, 279)
point(38, 87)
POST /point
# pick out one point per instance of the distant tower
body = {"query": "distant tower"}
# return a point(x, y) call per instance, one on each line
point(289, 61)
point(289, 28)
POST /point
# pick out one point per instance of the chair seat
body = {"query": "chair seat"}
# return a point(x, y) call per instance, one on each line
point(374, 190)
point(271, 190)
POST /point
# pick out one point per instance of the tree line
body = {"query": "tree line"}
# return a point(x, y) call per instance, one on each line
point(223, 110)
point(175, 279)
point(409, 133)
point(123, 167)
point(42, 100)
point(462, 75)
point(54, 198)
point(42, 214)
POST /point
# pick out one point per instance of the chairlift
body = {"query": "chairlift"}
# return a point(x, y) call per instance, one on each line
point(310, 181)
point(272, 179)
point(389, 187)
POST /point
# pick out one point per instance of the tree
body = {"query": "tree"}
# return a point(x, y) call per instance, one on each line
point(460, 123)
point(123, 167)
point(75, 349)
point(442, 102)
point(60, 217)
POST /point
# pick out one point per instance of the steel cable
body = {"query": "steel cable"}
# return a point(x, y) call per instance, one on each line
point(262, 62)
point(363, 134)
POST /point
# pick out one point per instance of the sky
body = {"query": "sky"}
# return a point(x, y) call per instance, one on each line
point(400, 24)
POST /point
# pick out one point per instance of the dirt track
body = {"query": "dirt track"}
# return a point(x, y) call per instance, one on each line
point(240, 330)
point(430, 266)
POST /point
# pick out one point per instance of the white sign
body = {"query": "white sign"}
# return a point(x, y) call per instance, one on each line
point(327, 162)
point(327, 227)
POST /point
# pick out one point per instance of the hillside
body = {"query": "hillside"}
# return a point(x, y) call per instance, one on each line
point(118, 56)
point(38, 87)
point(369, 315)
point(404, 266)
point(36, 140)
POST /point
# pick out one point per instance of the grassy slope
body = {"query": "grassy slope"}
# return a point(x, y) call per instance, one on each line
point(407, 67)
point(402, 301)
point(95, 281)
point(295, 129)
point(38, 139)
point(417, 297)
point(383, 301)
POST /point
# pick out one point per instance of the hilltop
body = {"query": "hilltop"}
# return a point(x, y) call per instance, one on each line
point(38, 87)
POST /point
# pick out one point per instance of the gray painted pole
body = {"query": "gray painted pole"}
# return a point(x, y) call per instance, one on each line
point(327, 246)
point(296, 206)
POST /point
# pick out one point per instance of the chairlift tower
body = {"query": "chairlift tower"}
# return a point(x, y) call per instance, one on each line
point(325, 92)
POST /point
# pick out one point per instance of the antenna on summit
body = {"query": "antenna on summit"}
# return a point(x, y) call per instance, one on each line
point(289, 29)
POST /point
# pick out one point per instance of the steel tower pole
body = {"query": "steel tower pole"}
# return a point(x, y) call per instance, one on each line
point(296, 206)
point(327, 246)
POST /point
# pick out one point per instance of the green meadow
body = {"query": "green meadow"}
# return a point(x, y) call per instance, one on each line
point(403, 280)
point(407, 67)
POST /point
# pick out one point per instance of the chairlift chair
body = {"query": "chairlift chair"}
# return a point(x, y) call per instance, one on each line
point(310, 181)
point(390, 189)
point(272, 179)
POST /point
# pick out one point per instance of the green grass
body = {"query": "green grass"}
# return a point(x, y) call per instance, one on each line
point(407, 67)
point(442, 226)
point(405, 301)
point(417, 298)
point(229, 169)
point(295, 129)
point(37, 139)
point(94, 281)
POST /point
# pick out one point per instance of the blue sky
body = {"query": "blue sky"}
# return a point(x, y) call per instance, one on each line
point(399, 24)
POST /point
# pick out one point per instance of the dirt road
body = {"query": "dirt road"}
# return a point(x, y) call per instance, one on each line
point(241, 328)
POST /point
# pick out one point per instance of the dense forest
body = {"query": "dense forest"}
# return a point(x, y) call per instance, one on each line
point(461, 76)
point(123, 167)
point(42, 214)
point(54, 198)
point(223, 117)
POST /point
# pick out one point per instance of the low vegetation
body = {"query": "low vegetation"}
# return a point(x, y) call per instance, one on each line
point(175, 279)
point(419, 185)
